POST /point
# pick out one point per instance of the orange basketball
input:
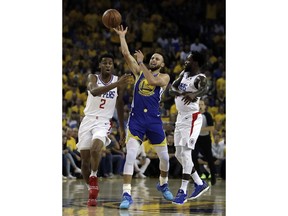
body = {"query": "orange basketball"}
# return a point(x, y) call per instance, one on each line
point(111, 18)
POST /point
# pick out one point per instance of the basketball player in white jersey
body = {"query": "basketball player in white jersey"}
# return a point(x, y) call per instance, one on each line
point(187, 90)
point(103, 96)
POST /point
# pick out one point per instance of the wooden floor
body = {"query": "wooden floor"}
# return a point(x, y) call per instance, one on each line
point(147, 200)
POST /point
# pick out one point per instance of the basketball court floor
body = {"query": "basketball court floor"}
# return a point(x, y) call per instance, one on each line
point(147, 200)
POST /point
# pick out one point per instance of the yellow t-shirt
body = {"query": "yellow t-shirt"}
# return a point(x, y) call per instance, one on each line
point(148, 30)
point(77, 109)
point(213, 110)
point(221, 84)
point(71, 143)
point(177, 69)
point(219, 117)
point(173, 109)
point(69, 94)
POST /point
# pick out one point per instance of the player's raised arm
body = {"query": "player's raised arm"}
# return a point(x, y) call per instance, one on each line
point(130, 60)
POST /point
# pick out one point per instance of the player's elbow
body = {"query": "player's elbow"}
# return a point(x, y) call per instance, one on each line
point(151, 82)
point(125, 53)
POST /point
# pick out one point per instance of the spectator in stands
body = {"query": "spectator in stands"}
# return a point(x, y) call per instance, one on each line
point(204, 142)
point(67, 159)
point(141, 163)
point(106, 165)
point(218, 149)
point(198, 46)
point(184, 53)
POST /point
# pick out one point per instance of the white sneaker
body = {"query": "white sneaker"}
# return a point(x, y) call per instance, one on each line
point(64, 177)
point(141, 175)
point(71, 177)
point(77, 170)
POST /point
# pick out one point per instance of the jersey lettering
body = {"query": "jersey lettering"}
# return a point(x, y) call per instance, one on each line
point(110, 94)
point(182, 87)
point(103, 101)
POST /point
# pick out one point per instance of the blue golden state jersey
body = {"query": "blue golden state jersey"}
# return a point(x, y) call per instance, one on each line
point(146, 96)
point(145, 116)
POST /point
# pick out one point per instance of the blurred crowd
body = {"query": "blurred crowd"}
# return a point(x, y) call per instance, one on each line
point(172, 27)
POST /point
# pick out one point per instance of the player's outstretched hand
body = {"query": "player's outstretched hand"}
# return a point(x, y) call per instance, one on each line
point(120, 30)
point(124, 80)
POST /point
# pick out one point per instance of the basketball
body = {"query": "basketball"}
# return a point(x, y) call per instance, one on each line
point(111, 18)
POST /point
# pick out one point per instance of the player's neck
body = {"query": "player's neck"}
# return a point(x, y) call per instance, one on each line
point(155, 72)
point(105, 77)
point(194, 72)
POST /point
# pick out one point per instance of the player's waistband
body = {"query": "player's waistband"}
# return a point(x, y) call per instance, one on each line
point(145, 110)
point(96, 117)
point(188, 112)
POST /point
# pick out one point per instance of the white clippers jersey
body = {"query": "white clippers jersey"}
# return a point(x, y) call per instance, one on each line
point(187, 85)
point(103, 105)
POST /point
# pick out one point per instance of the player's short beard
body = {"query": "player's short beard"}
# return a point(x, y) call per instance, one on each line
point(188, 68)
point(155, 68)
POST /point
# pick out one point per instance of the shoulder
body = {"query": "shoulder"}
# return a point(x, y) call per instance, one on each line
point(164, 75)
point(200, 80)
point(201, 75)
point(92, 77)
point(115, 77)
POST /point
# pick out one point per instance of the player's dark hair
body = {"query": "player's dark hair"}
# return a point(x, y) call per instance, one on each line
point(163, 55)
point(198, 57)
point(105, 55)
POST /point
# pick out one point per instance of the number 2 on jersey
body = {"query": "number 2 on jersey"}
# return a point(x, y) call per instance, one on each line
point(103, 101)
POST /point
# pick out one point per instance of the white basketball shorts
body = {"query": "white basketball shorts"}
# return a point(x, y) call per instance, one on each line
point(187, 129)
point(92, 128)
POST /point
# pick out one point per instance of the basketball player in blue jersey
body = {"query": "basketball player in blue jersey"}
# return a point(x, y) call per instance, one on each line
point(105, 91)
point(187, 90)
point(145, 117)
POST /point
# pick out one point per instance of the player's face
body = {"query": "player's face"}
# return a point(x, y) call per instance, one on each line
point(189, 63)
point(156, 62)
point(106, 65)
